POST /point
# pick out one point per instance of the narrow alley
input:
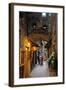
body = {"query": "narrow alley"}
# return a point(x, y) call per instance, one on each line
point(37, 44)
point(40, 70)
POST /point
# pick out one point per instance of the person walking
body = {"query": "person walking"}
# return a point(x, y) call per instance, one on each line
point(41, 57)
point(38, 58)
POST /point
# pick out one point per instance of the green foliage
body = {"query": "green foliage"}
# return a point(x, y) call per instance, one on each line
point(53, 61)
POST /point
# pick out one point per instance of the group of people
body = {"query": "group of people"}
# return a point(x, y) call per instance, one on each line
point(40, 57)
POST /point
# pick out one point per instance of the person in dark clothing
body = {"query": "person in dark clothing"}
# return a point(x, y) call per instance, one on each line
point(41, 58)
point(38, 58)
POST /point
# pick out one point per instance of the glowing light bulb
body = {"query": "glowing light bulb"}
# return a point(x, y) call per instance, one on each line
point(44, 14)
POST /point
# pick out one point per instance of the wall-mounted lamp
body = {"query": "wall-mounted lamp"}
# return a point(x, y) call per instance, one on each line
point(34, 48)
